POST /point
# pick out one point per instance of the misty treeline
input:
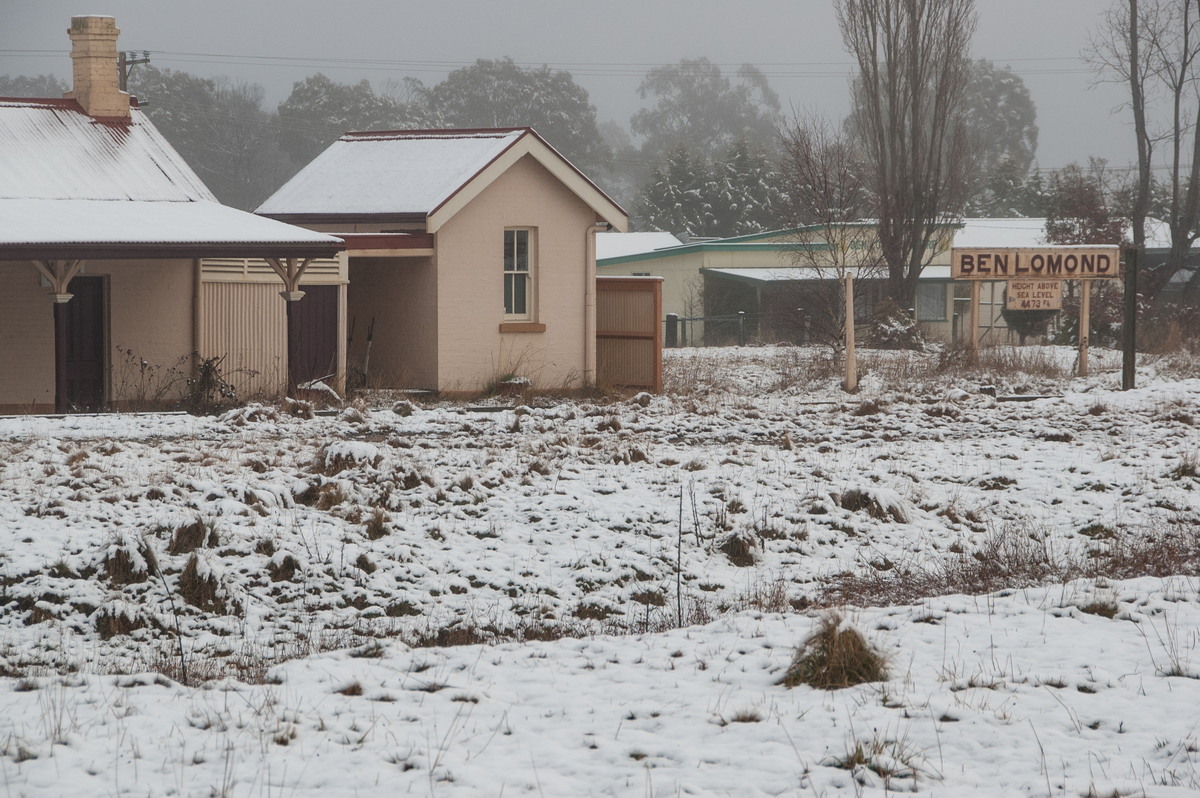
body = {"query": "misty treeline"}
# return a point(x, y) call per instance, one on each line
point(701, 158)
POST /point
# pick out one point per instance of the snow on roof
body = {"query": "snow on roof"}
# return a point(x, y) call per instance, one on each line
point(1000, 232)
point(394, 172)
point(620, 245)
point(89, 221)
point(51, 149)
point(68, 179)
point(789, 274)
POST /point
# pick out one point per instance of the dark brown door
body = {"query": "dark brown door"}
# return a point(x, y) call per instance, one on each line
point(313, 350)
point(85, 334)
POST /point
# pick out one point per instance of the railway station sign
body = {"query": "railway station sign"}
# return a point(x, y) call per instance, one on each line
point(1044, 263)
point(1034, 295)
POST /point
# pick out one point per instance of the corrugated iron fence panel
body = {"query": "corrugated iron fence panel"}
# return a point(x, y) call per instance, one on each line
point(628, 332)
point(245, 323)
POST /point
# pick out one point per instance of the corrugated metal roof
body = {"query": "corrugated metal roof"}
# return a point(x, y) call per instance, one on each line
point(103, 222)
point(389, 173)
point(68, 180)
point(51, 149)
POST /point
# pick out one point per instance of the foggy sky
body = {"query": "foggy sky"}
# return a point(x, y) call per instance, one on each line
point(607, 46)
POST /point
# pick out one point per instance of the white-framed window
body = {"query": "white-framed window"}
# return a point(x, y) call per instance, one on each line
point(931, 301)
point(519, 273)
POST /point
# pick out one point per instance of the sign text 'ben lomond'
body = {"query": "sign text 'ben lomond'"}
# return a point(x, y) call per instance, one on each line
point(1051, 263)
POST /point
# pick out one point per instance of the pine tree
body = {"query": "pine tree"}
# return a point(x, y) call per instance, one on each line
point(678, 197)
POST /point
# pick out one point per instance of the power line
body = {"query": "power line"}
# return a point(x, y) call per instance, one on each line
point(770, 69)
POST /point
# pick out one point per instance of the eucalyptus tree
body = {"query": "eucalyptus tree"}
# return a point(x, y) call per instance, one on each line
point(502, 93)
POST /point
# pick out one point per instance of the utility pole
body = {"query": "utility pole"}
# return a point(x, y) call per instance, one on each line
point(126, 61)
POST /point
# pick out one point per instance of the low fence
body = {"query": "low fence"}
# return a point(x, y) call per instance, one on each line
point(731, 329)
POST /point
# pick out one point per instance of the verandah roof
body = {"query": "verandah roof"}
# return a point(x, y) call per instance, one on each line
point(51, 229)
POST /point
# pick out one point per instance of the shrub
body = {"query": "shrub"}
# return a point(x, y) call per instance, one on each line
point(834, 656)
point(208, 390)
point(891, 327)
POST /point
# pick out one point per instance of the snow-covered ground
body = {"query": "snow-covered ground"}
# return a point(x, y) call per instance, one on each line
point(632, 579)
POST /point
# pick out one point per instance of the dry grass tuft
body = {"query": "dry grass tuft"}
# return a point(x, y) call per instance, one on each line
point(113, 620)
point(1014, 558)
point(1105, 608)
point(189, 537)
point(869, 407)
point(835, 656)
point(200, 588)
point(283, 569)
point(126, 567)
point(741, 547)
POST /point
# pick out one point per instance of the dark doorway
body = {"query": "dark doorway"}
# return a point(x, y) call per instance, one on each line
point(82, 334)
point(312, 350)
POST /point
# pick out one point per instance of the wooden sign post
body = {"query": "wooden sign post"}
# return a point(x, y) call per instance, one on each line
point(1037, 266)
point(1085, 324)
point(851, 381)
point(973, 338)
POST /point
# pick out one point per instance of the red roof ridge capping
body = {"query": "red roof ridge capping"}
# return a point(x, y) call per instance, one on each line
point(443, 133)
point(58, 102)
point(68, 104)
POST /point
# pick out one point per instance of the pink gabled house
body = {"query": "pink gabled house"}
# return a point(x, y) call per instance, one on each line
point(105, 233)
point(471, 255)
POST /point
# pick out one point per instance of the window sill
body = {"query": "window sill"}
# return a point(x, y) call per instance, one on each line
point(522, 327)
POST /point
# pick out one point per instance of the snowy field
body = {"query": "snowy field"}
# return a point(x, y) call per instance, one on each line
point(587, 597)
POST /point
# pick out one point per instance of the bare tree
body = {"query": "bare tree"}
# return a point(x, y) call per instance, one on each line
point(913, 70)
point(828, 194)
point(1154, 47)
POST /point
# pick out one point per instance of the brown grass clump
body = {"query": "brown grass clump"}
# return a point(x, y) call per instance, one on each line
point(284, 569)
point(870, 407)
point(835, 656)
point(332, 462)
point(741, 548)
point(189, 537)
point(112, 620)
point(377, 525)
point(453, 636)
point(202, 591)
point(125, 567)
point(856, 501)
point(1102, 607)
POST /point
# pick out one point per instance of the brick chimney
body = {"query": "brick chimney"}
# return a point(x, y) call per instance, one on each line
point(94, 64)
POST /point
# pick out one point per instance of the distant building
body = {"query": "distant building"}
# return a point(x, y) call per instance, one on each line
point(762, 275)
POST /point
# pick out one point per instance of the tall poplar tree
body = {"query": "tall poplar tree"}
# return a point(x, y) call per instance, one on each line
point(909, 100)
